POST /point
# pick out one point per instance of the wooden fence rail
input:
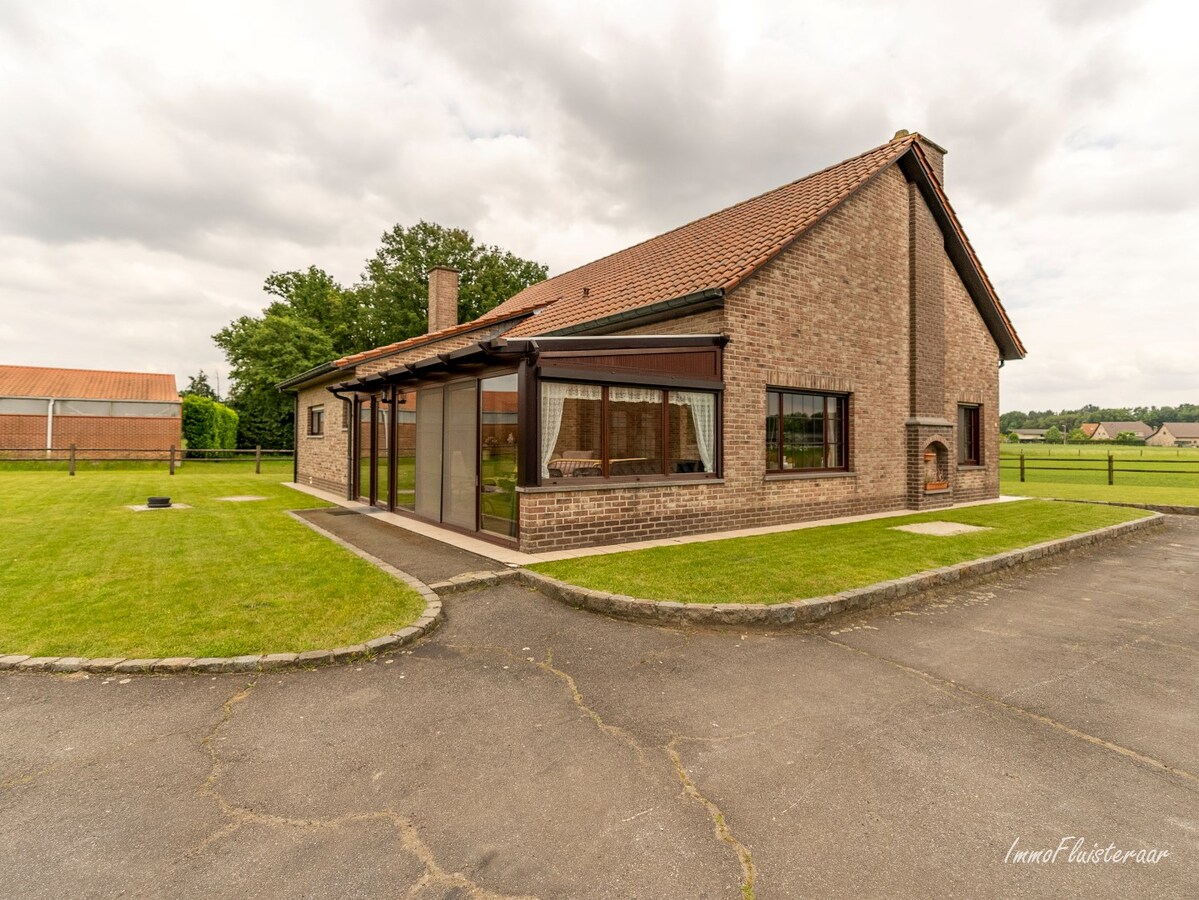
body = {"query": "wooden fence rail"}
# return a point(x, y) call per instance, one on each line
point(170, 455)
point(1099, 464)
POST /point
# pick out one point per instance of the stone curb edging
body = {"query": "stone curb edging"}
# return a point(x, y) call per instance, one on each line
point(1152, 507)
point(815, 609)
point(429, 620)
point(468, 581)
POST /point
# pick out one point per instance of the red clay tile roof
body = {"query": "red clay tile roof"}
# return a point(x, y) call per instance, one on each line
point(482, 322)
point(718, 251)
point(1088, 428)
point(86, 384)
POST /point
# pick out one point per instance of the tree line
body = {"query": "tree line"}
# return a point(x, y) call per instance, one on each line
point(1069, 420)
point(312, 319)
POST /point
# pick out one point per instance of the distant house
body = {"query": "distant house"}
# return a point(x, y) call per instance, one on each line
point(1088, 428)
point(1030, 435)
point(1175, 434)
point(1107, 431)
point(43, 411)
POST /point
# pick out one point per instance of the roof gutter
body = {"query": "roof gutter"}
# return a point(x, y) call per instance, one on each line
point(315, 372)
point(698, 301)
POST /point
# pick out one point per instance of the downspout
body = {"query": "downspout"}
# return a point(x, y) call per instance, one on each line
point(351, 427)
point(295, 441)
point(49, 427)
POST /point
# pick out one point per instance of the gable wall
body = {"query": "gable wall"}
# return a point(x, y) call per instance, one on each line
point(831, 312)
point(971, 376)
point(322, 458)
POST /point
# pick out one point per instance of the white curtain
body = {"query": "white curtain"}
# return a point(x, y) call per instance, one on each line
point(634, 395)
point(702, 407)
point(554, 395)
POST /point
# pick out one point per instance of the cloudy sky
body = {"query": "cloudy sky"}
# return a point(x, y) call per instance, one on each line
point(158, 160)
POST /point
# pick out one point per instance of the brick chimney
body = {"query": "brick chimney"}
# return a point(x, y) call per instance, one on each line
point(935, 154)
point(443, 298)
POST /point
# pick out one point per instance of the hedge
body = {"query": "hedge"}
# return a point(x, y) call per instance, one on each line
point(208, 425)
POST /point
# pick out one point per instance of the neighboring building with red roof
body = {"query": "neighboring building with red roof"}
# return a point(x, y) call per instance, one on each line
point(43, 411)
point(827, 348)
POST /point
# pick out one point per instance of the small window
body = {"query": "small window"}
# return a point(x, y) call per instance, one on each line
point(969, 445)
point(806, 432)
point(316, 420)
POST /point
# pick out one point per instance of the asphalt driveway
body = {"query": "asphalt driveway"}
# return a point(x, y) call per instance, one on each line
point(528, 749)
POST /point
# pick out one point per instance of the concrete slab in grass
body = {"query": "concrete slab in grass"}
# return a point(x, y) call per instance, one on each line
point(938, 529)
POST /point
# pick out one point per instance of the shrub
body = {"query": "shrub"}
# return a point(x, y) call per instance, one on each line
point(1053, 435)
point(208, 425)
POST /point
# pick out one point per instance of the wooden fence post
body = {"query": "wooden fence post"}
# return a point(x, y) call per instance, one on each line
point(172, 467)
point(258, 459)
point(1111, 468)
point(71, 465)
point(1022, 467)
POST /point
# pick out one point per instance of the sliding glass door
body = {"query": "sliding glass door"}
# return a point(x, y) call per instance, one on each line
point(454, 448)
point(497, 452)
point(460, 463)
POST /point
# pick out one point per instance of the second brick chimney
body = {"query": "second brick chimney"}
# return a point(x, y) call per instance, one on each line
point(443, 298)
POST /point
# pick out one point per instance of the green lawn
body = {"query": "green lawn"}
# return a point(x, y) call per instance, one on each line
point(813, 562)
point(80, 575)
point(1172, 477)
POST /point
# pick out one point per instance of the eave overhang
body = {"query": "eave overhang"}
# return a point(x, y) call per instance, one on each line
point(500, 351)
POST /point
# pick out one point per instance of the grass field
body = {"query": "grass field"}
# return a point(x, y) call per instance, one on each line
point(813, 562)
point(81, 575)
point(1168, 476)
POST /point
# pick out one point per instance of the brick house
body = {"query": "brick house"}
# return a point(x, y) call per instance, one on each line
point(1107, 431)
point(1175, 434)
point(827, 348)
point(45, 410)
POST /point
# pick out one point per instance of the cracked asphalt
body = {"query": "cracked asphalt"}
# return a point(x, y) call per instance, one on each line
point(531, 750)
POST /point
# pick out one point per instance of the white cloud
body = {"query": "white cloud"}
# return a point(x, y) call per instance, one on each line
point(161, 159)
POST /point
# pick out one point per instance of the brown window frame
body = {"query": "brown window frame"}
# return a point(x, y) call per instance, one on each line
point(970, 428)
point(605, 429)
point(843, 417)
point(316, 420)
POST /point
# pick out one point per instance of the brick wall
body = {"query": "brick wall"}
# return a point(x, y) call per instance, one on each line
point(322, 458)
point(148, 438)
point(971, 376)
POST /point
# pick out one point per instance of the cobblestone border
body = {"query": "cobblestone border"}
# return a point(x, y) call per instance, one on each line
point(815, 609)
point(261, 662)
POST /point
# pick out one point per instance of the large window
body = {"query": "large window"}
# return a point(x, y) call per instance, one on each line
point(806, 432)
point(969, 433)
point(601, 431)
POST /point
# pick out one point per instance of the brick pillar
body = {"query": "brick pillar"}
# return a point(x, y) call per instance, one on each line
point(929, 430)
point(935, 154)
point(443, 298)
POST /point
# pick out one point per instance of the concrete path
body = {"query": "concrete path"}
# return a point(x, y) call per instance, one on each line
point(528, 749)
point(422, 557)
